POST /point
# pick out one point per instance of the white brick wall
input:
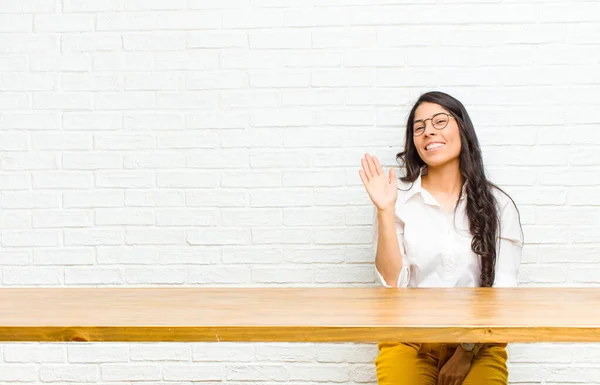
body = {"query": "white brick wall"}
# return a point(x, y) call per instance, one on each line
point(217, 143)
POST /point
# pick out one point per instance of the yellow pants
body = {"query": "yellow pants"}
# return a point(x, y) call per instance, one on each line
point(419, 364)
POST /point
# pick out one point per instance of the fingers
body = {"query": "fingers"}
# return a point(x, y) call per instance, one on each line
point(377, 165)
point(363, 177)
point(366, 169)
point(372, 165)
point(393, 177)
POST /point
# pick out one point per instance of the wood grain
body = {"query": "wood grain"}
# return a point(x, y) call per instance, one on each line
point(300, 314)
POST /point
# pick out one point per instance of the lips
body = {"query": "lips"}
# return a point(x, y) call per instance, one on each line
point(434, 145)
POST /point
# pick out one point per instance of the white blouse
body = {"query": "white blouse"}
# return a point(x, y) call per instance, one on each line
point(436, 249)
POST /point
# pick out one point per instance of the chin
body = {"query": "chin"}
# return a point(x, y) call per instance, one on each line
point(433, 162)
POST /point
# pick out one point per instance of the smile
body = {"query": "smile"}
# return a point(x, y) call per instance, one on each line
point(434, 145)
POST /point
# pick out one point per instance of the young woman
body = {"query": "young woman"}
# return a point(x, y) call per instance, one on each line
point(447, 225)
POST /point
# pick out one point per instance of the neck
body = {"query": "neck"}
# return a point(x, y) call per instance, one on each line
point(445, 179)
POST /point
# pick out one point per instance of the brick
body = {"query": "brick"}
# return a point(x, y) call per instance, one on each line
point(281, 352)
point(92, 276)
point(154, 42)
point(25, 276)
point(90, 82)
point(155, 276)
point(16, 257)
point(187, 179)
point(15, 23)
point(255, 372)
point(293, 235)
point(216, 39)
point(130, 372)
point(91, 41)
point(219, 236)
point(311, 254)
point(224, 351)
point(176, 255)
point(154, 198)
point(63, 100)
point(19, 372)
point(30, 200)
point(251, 255)
point(97, 353)
point(91, 161)
point(65, 256)
point(39, 353)
point(230, 275)
point(93, 199)
point(61, 218)
point(122, 61)
point(123, 216)
point(119, 255)
point(30, 161)
point(155, 236)
point(92, 5)
point(91, 121)
point(62, 180)
point(161, 352)
point(30, 238)
point(250, 179)
point(215, 80)
point(93, 237)
point(14, 181)
point(30, 81)
point(31, 6)
point(251, 217)
point(60, 141)
point(63, 23)
point(125, 179)
point(30, 43)
point(194, 372)
point(186, 217)
point(189, 20)
point(322, 372)
point(346, 353)
point(219, 159)
point(153, 81)
point(287, 275)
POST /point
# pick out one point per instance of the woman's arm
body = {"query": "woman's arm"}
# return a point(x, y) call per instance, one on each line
point(390, 268)
point(510, 247)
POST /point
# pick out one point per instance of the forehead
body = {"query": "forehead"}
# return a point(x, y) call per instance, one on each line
point(427, 110)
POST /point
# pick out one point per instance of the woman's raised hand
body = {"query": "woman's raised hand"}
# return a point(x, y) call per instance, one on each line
point(382, 189)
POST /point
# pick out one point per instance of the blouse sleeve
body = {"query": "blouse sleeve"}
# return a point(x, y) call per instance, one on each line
point(404, 277)
point(509, 246)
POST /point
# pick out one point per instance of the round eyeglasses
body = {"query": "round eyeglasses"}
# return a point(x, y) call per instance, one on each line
point(439, 121)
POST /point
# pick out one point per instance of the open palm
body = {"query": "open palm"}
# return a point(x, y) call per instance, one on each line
point(382, 188)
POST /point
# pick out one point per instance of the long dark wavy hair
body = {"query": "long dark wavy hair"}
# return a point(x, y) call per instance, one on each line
point(482, 207)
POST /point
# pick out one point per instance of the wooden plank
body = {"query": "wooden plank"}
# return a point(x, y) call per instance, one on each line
point(300, 314)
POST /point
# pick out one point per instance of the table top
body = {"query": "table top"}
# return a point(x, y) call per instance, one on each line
point(193, 314)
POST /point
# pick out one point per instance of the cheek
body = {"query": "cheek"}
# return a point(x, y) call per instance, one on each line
point(455, 140)
point(457, 147)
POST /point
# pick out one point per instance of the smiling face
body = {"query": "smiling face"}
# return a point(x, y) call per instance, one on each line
point(436, 147)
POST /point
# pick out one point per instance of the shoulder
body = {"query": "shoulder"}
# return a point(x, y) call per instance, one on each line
point(503, 201)
point(510, 218)
point(405, 190)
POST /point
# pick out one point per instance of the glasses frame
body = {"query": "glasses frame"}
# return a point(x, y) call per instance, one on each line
point(425, 123)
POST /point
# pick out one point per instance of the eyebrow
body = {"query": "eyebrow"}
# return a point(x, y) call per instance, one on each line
point(420, 120)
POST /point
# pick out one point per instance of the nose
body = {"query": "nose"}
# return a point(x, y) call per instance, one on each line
point(429, 130)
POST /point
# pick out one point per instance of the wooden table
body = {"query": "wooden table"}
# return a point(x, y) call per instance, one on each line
point(300, 314)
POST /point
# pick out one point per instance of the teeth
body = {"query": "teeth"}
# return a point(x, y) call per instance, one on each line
point(434, 145)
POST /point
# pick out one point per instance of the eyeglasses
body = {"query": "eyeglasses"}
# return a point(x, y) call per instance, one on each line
point(439, 122)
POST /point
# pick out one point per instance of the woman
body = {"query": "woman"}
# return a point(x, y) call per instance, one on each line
point(446, 226)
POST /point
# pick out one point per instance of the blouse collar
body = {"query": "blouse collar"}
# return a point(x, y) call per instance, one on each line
point(417, 188)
